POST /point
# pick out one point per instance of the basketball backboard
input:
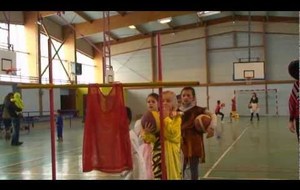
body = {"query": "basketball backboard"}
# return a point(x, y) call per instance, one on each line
point(243, 70)
point(7, 60)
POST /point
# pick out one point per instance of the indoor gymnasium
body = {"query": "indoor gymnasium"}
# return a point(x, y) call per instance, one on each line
point(149, 95)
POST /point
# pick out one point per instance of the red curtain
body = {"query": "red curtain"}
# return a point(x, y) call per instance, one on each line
point(106, 143)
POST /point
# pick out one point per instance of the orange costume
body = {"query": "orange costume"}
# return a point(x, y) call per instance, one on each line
point(192, 140)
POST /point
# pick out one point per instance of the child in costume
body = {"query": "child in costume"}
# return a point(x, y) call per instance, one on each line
point(293, 124)
point(218, 110)
point(172, 139)
point(18, 101)
point(192, 140)
point(146, 147)
point(59, 126)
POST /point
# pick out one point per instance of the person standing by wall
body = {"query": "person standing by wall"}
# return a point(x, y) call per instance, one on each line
point(146, 147)
point(14, 112)
point(59, 126)
point(172, 138)
point(18, 101)
point(253, 105)
point(6, 118)
point(293, 124)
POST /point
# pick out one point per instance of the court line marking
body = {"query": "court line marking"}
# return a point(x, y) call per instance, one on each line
point(39, 158)
point(98, 174)
point(224, 178)
point(225, 152)
point(84, 174)
point(24, 150)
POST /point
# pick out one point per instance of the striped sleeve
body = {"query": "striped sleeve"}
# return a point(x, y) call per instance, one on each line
point(294, 102)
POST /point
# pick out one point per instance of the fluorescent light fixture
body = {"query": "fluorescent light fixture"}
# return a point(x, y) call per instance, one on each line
point(165, 20)
point(207, 13)
point(132, 27)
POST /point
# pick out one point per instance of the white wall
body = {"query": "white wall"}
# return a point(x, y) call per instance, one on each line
point(281, 50)
point(132, 67)
point(185, 60)
point(31, 100)
point(4, 90)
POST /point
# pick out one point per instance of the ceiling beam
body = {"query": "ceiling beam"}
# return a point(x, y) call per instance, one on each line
point(171, 25)
point(113, 36)
point(118, 21)
point(141, 30)
point(207, 23)
point(47, 13)
point(270, 19)
point(84, 16)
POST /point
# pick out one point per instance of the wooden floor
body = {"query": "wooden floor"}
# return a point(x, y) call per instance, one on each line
point(239, 150)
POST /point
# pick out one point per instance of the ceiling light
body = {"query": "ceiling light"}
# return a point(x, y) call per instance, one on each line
point(165, 20)
point(132, 27)
point(207, 13)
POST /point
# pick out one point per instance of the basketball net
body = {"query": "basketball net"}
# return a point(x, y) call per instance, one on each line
point(248, 80)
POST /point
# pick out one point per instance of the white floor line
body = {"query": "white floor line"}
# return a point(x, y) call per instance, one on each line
point(224, 178)
point(15, 164)
point(99, 174)
point(227, 150)
point(18, 152)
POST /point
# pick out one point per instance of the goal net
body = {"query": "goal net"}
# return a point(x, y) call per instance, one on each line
point(267, 101)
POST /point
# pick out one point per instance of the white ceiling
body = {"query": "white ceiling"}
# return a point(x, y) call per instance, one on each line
point(148, 27)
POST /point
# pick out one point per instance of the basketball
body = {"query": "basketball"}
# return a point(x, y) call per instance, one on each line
point(202, 122)
point(149, 117)
point(223, 105)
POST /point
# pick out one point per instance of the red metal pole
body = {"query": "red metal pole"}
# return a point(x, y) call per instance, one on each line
point(163, 163)
point(106, 45)
point(52, 127)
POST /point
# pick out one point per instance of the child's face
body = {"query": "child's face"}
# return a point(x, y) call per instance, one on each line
point(187, 97)
point(152, 104)
point(167, 101)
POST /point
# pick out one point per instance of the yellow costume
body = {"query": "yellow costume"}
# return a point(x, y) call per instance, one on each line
point(172, 140)
point(18, 101)
point(172, 134)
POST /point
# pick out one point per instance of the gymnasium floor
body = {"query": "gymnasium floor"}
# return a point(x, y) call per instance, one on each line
point(239, 150)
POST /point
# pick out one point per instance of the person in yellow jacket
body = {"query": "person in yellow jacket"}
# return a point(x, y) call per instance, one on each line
point(18, 101)
point(172, 135)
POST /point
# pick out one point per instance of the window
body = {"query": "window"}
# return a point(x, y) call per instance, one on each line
point(18, 42)
point(88, 69)
point(58, 73)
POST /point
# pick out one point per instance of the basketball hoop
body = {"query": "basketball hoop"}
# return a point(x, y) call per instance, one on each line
point(248, 80)
point(11, 71)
